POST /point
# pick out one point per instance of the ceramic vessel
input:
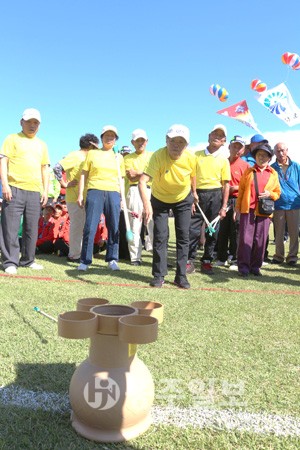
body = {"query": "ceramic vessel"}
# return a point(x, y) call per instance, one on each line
point(85, 304)
point(112, 391)
point(149, 308)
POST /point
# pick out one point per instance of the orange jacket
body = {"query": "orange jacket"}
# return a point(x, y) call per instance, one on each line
point(243, 200)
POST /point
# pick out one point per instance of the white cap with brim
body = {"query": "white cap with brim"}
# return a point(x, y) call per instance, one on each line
point(178, 130)
point(139, 133)
point(31, 113)
point(109, 128)
point(219, 126)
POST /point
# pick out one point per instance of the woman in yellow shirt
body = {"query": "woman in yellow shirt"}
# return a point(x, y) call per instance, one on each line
point(100, 175)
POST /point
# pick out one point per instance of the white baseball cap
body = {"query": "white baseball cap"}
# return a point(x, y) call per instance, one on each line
point(109, 128)
point(219, 126)
point(178, 130)
point(31, 113)
point(139, 133)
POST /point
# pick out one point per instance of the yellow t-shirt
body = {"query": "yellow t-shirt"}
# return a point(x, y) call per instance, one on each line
point(102, 169)
point(171, 179)
point(211, 170)
point(25, 156)
point(72, 165)
point(137, 162)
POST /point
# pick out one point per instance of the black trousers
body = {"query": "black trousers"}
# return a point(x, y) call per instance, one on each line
point(228, 235)
point(210, 201)
point(182, 217)
point(26, 203)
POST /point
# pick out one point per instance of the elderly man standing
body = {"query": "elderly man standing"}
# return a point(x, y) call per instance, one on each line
point(134, 167)
point(229, 226)
point(24, 169)
point(172, 170)
point(287, 207)
point(212, 181)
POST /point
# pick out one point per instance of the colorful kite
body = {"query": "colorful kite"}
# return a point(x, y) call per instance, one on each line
point(240, 112)
point(258, 85)
point(280, 103)
point(218, 91)
point(291, 59)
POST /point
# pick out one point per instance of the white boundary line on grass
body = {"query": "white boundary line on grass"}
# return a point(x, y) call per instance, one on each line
point(221, 420)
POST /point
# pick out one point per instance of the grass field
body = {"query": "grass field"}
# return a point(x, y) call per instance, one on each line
point(227, 346)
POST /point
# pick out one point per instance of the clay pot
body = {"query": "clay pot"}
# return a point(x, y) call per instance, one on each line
point(153, 309)
point(108, 317)
point(85, 304)
point(77, 324)
point(138, 329)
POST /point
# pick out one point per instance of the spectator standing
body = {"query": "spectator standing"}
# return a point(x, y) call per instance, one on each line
point(229, 226)
point(255, 140)
point(212, 182)
point(172, 170)
point(287, 207)
point(102, 174)
point(254, 227)
point(72, 165)
point(24, 169)
point(134, 167)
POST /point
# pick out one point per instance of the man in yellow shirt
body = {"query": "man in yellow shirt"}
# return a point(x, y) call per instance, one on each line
point(212, 182)
point(134, 167)
point(24, 171)
point(172, 170)
point(72, 164)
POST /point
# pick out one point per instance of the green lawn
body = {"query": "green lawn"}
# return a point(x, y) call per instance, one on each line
point(224, 333)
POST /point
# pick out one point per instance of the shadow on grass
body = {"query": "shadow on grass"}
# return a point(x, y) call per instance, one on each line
point(269, 275)
point(23, 428)
point(29, 324)
point(26, 421)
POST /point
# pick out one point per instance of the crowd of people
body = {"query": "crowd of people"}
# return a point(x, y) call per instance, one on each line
point(73, 209)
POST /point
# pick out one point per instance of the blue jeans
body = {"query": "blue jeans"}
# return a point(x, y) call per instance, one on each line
point(98, 202)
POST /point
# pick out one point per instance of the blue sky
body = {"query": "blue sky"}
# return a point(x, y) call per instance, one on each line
point(138, 64)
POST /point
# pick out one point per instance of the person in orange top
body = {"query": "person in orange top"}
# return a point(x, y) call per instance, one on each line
point(254, 227)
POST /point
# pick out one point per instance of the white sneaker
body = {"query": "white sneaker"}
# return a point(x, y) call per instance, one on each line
point(113, 265)
point(233, 267)
point(35, 266)
point(83, 267)
point(220, 263)
point(11, 270)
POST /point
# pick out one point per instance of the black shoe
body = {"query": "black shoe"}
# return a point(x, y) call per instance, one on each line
point(157, 282)
point(275, 261)
point(257, 273)
point(182, 283)
point(243, 274)
point(136, 263)
point(292, 263)
point(75, 260)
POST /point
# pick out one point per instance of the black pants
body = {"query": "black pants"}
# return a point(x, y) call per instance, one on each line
point(182, 217)
point(210, 201)
point(26, 203)
point(62, 247)
point(228, 235)
point(46, 247)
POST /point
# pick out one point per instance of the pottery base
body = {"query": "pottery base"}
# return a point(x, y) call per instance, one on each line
point(98, 435)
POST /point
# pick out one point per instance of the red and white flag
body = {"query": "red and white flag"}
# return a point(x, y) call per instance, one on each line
point(240, 112)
